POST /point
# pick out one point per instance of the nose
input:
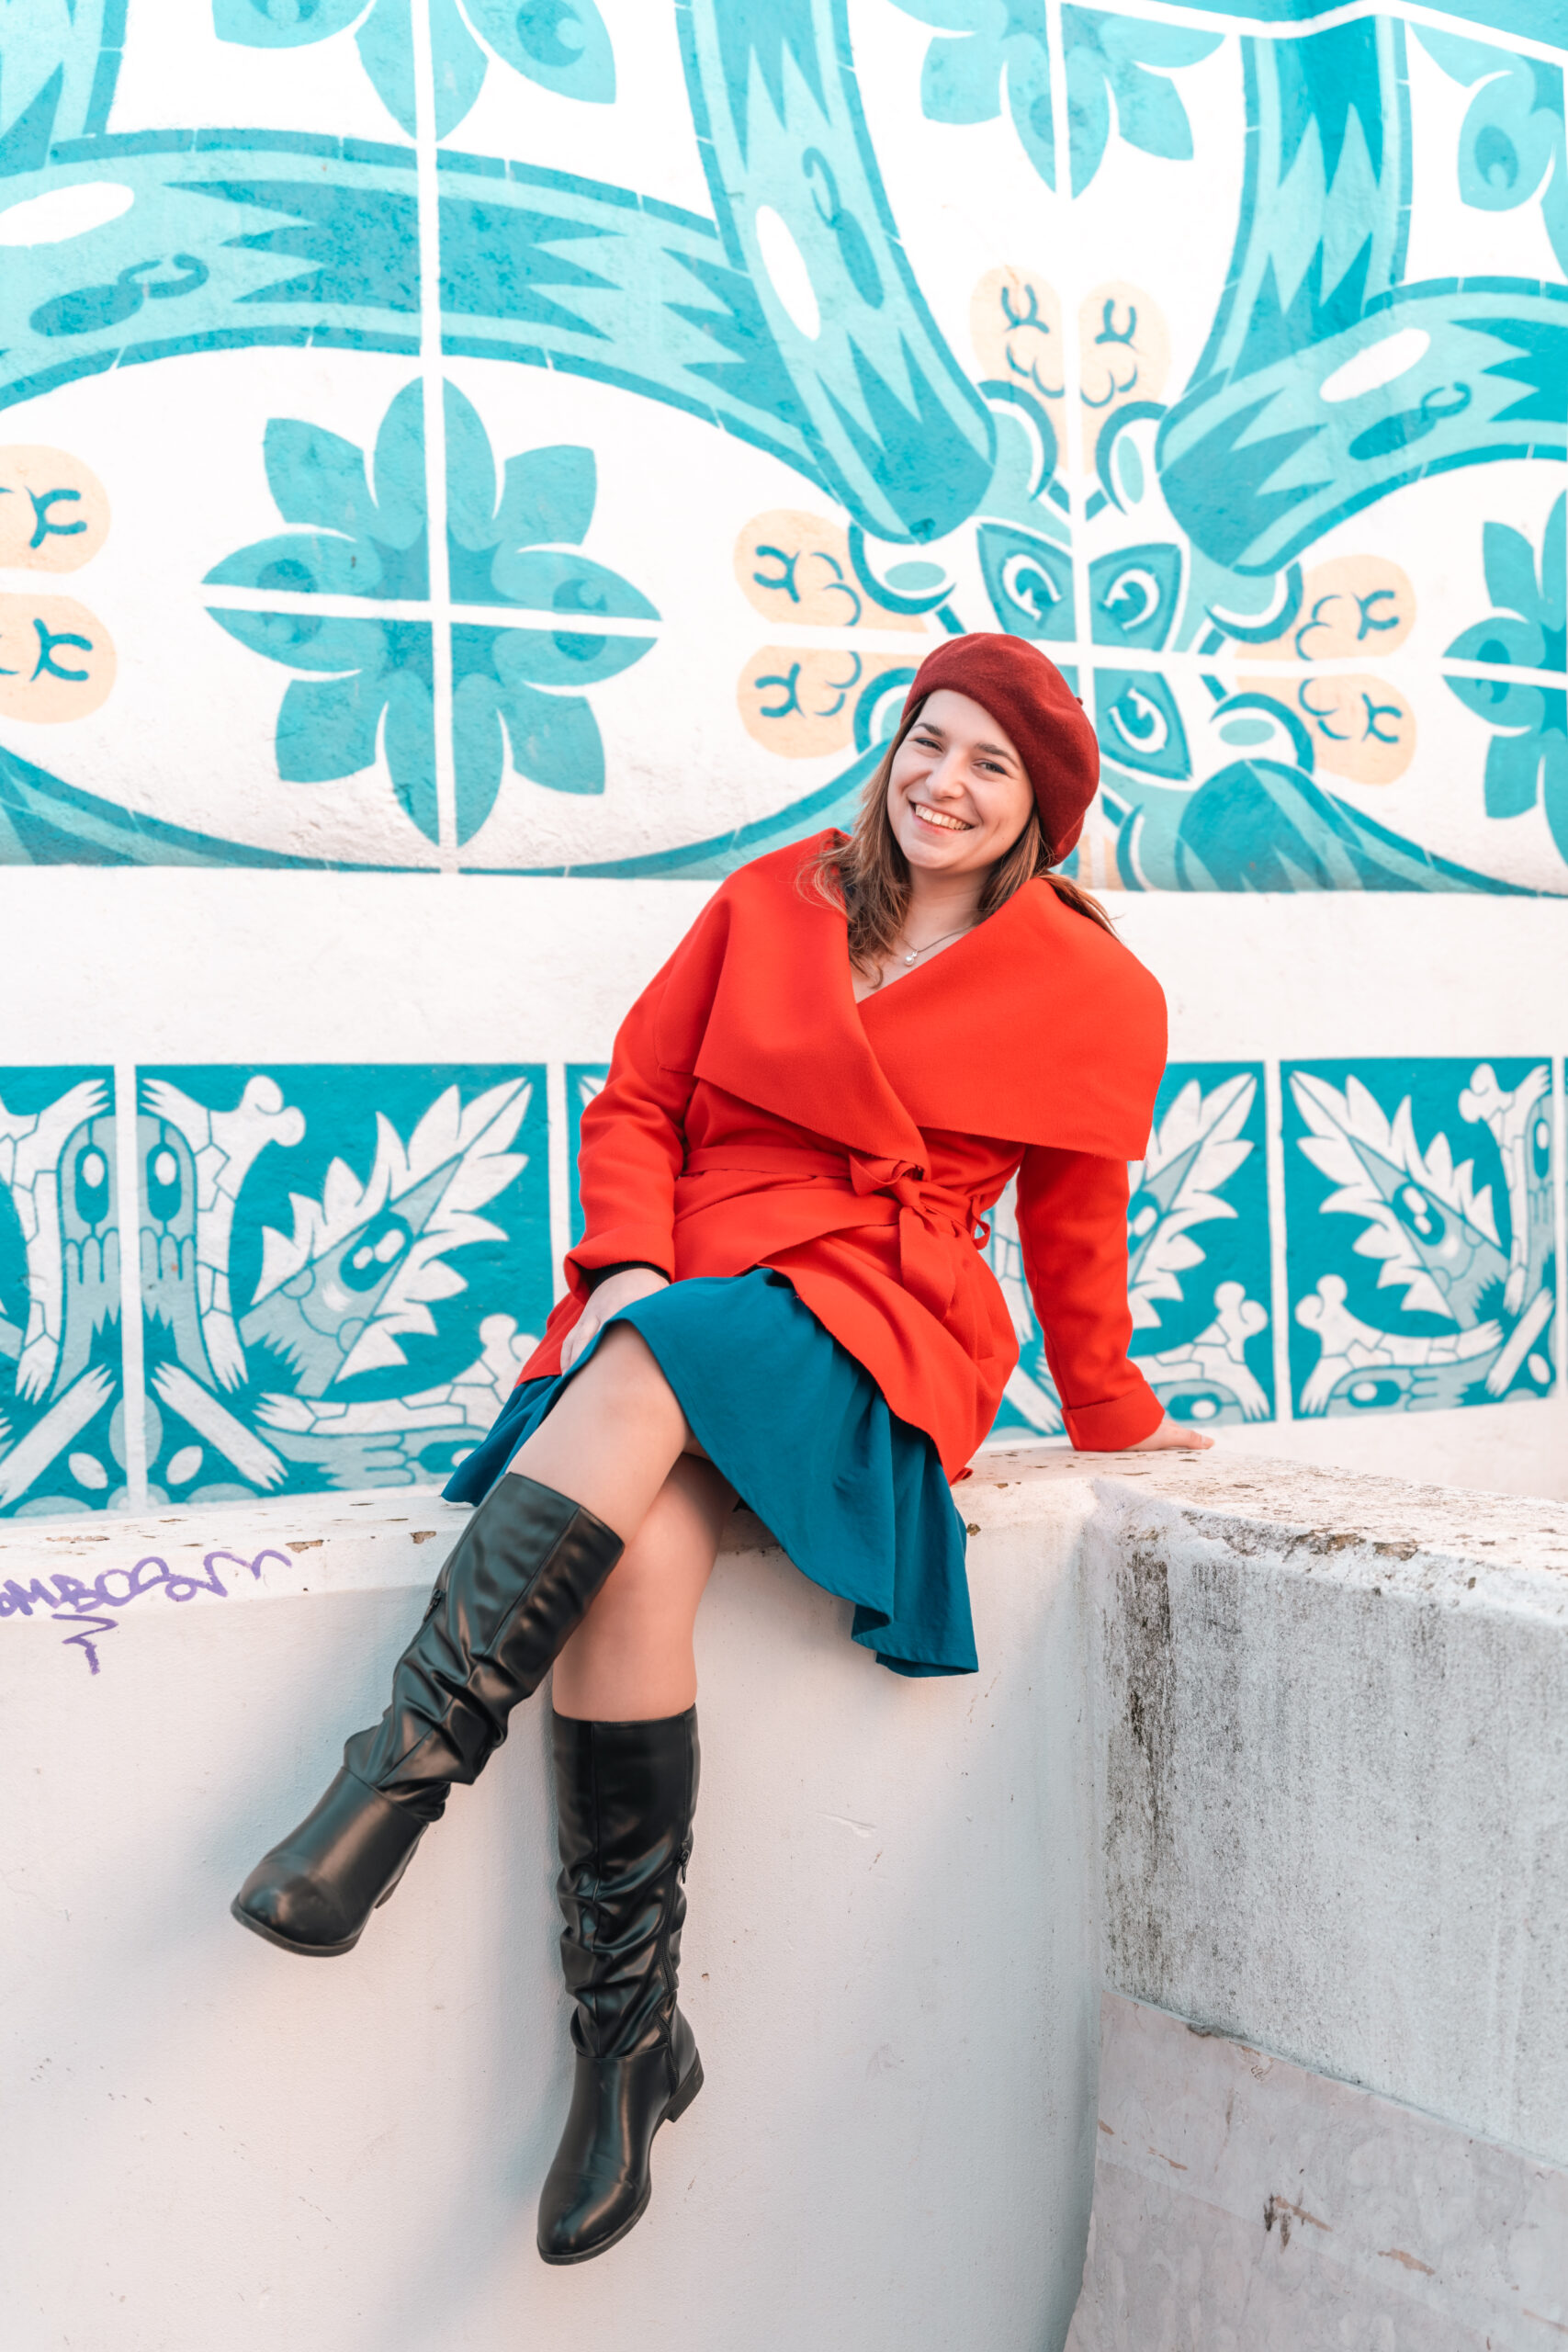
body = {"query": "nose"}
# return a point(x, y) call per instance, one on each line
point(944, 781)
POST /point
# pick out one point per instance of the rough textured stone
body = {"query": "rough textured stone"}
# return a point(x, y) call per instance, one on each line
point(1242, 2204)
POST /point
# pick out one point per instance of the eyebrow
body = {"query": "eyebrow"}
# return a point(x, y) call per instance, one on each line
point(998, 751)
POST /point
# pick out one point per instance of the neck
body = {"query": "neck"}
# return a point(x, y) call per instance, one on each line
point(942, 902)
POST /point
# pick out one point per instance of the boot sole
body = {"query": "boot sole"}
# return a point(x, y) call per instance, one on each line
point(685, 2094)
point(287, 1943)
point(323, 1951)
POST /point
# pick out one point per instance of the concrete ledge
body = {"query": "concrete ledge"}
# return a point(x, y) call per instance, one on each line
point(889, 1964)
point(1289, 2211)
point(1280, 1751)
point(1333, 1779)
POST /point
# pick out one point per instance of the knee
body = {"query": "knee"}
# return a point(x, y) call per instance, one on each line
point(670, 1555)
point(625, 1376)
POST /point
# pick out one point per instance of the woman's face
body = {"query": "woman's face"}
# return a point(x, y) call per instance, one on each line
point(958, 796)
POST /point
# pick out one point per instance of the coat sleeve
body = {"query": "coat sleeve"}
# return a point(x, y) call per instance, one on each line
point(1072, 1221)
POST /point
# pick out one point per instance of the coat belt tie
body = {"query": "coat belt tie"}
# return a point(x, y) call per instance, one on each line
point(929, 1216)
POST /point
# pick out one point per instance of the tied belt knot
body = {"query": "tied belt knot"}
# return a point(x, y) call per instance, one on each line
point(929, 1216)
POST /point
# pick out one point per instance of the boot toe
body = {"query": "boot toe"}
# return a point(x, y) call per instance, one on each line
point(291, 1908)
point(584, 2214)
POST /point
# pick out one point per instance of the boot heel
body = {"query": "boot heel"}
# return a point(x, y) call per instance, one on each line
point(685, 2094)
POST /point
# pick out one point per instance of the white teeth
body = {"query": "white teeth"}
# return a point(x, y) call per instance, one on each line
point(934, 817)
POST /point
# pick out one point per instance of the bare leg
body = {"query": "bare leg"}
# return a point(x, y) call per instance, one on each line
point(615, 1435)
point(631, 1661)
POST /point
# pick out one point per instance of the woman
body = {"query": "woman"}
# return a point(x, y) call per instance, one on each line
point(780, 1293)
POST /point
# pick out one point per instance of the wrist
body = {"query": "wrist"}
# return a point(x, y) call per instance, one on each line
point(595, 1276)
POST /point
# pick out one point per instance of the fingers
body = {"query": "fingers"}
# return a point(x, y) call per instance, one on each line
point(576, 1338)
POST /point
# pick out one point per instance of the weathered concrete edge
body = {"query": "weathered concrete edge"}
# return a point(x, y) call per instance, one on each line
point(1230, 2177)
point(1462, 1548)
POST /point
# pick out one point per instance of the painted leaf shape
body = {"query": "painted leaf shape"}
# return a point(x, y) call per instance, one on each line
point(386, 47)
point(553, 581)
point(1434, 1232)
point(317, 477)
point(281, 24)
point(1196, 1149)
point(560, 44)
point(548, 497)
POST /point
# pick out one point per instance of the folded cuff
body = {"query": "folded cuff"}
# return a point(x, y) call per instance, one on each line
point(1118, 1422)
point(621, 1245)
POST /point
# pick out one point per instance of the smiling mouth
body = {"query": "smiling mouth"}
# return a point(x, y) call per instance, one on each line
point(929, 815)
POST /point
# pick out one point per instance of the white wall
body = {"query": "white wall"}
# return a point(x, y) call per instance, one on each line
point(889, 1964)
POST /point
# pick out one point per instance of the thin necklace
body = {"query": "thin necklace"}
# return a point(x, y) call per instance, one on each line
point(917, 952)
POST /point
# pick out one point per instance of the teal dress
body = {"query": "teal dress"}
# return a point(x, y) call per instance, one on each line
point(857, 1497)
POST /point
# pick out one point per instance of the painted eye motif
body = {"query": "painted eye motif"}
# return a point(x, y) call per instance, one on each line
point(1541, 1147)
point(164, 1189)
point(365, 1266)
point(1140, 721)
point(1374, 1396)
point(91, 1186)
point(1142, 1216)
point(1417, 1210)
point(1132, 599)
point(1027, 586)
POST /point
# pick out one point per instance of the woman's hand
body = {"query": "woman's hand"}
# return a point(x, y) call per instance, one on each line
point(1172, 1437)
point(607, 1299)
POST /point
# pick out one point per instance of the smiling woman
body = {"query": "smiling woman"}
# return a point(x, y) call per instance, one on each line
point(959, 814)
point(780, 1293)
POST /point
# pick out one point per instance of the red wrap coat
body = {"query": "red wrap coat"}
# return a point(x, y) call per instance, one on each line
point(756, 1115)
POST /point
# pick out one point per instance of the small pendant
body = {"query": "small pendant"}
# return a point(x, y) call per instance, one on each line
point(909, 959)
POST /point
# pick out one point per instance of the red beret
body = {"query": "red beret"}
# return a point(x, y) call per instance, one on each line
point(1031, 700)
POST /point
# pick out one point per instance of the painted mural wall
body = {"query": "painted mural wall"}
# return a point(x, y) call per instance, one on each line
point(444, 438)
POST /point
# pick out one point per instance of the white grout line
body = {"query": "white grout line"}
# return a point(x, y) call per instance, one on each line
point(428, 184)
point(1559, 1219)
point(1438, 20)
point(1064, 274)
point(560, 1173)
point(1278, 1279)
point(132, 1358)
point(403, 608)
point(1241, 666)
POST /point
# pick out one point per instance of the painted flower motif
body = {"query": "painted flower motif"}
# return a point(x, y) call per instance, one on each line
point(1109, 61)
point(1511, 148)
point(363, 531)
point(560, 44)
point(1528, 758)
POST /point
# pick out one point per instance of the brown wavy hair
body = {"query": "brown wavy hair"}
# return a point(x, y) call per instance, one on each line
point(868, 875)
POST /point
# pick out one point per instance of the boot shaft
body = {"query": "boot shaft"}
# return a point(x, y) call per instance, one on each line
point(517, 1586)
point(627, 1795)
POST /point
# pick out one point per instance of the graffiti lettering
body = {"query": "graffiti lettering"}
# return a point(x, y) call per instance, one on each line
point(73, 1603)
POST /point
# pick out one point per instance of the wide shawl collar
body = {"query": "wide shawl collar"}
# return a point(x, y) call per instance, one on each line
point(1036, 1028)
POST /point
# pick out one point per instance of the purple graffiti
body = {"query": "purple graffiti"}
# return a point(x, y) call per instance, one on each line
point(72, 1602)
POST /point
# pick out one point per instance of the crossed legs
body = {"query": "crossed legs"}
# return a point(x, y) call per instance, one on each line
point(618, 1444)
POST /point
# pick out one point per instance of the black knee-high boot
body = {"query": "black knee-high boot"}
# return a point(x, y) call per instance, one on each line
point(627, 1795)
point(516, 1587)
